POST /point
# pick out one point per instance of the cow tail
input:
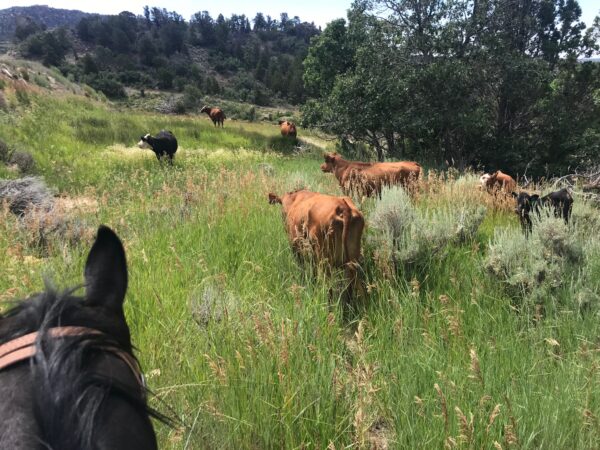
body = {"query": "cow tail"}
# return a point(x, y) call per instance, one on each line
point(346, 217)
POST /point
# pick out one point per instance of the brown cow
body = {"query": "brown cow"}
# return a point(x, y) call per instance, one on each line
point(288, 129)
point(216, 115)
point(499, 181)
point(332, 226)
point(369, 178)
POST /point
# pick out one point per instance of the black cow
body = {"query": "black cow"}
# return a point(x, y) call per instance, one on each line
point(561, 201)
point(164, 143)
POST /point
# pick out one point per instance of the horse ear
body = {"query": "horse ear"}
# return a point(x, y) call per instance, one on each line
point(106, 271)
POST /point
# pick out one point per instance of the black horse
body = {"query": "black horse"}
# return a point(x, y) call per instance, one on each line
point(68, 378)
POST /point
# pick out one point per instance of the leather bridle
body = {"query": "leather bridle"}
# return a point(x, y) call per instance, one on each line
point(24, 348)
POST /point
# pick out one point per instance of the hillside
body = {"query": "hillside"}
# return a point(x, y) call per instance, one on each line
point(41, 14)
point(229, 57)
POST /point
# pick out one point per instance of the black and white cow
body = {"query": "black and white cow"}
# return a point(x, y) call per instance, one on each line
point(164, 143)
point(560, 201)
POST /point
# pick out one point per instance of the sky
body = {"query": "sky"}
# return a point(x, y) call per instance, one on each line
point(318, 11)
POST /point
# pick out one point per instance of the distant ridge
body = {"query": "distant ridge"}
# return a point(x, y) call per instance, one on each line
point(43, 14)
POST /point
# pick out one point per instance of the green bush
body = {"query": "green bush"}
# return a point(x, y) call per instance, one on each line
point(23, 97)
point(191, 97)
point(406, 236)
point(5, 152)
point(3, 102)
point(41, 81)
point(107, 85)
point(23, 160)
point(179, 106)
point(165, 78)
point(210, 303)
point(555, 257)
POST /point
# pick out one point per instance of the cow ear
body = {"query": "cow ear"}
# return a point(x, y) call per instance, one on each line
point(281, 121)
point(273, 199)
point(514, 194)
point(106, 271)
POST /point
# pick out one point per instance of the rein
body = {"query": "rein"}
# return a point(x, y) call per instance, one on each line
point(24, 348)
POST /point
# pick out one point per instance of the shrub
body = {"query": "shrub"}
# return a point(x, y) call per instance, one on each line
point(179, 83)
point(211, 303)
point(408, 237)
point(266, 169)
point(24, 73)
point(23, 160)
point(47, 228)
point(170, 105)
point(554, 257)
point(519, 263)
point(165, 78)
point(42, 221)
point(240, 111)
point(22, 97)
point(107, 85)
point(5, 152)
point(191, 97)
point(25, 194)
point(252, 114)
point(41, 81)
point(179, 106)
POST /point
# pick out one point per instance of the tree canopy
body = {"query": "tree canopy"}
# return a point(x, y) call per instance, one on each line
point(159, 49)
point(495, 83)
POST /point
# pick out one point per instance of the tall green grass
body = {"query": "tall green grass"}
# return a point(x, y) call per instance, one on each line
point(423, 363)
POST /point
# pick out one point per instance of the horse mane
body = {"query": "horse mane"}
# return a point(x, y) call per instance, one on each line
point(66, 397)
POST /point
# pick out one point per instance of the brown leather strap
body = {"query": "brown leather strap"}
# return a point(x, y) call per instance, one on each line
point(23, 348)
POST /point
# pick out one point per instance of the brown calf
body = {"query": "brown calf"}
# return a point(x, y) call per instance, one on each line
point(332, 226)
point(369, 178)
point(288, 129)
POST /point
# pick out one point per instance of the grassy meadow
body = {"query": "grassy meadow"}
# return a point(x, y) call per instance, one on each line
point(245, 349)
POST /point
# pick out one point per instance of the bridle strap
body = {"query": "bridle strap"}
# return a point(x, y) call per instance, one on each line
point(24, 347)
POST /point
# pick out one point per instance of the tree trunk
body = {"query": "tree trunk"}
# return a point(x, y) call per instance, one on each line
point(391, 143)
point(379, 150)
point(374, 139)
